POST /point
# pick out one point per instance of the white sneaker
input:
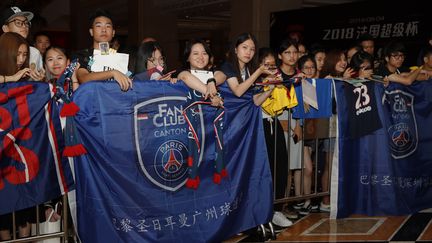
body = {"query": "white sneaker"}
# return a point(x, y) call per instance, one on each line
point(280, 220)
point(324, 207)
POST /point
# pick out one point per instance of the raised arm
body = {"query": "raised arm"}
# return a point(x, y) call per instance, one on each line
point(406, 78)
point(220, 77)
point(84, 76)
point(240, 88)
point(192, 82)
point(261, 97)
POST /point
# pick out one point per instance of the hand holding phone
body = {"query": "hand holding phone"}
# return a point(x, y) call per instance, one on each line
point(165, 76)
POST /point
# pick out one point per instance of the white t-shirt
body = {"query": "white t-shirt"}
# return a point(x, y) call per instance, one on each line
point(36, 58)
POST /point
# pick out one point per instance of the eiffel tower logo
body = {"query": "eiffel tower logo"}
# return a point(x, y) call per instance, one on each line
point(172, 164)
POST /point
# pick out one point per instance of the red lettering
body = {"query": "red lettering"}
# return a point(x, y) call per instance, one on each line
point(5, 123)
point(5, 119)
point(3, 98)
point(20, 95)
point(28, 162)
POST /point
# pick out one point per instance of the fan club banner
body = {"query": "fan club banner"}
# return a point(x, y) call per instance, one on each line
point(132, 184)
point(32, 170)
point(389, 170)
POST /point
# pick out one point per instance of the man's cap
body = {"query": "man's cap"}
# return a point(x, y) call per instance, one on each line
point(12, 12)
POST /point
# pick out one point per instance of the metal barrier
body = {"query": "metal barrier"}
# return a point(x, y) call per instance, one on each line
point(63, 234)
point(315, 193)
point(65, 231)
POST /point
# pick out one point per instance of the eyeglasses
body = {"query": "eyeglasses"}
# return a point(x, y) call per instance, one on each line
point(397, 56)
point(161, 59)
point(20, 23)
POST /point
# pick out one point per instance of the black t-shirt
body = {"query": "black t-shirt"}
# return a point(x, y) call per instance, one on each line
point(382, 70)
point(228, 70)
point(287, 76)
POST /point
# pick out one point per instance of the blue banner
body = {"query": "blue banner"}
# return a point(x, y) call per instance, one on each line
point(32, 170)
point(131, 184)
point(389, 170)
point(323, 89)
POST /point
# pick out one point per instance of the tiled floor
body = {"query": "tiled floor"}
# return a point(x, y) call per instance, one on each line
point(317, 227)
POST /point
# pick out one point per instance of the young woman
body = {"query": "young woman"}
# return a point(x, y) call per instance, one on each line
point(308, 66)
point(56, 60)
point(288, 57)
point(14, 63)
point(242, 70)
point(319, 54)
point(196, 58)
point(362, 65)
point(276, 146)
point(351, 50)
point(335, 66)
point(14, 66)
point(197, 75)
point(150, 62)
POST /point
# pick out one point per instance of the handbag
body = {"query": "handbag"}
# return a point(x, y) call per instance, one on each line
point(48, 227)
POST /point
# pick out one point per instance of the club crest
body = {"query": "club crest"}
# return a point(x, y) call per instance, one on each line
point(402, 131)
point(161, 140)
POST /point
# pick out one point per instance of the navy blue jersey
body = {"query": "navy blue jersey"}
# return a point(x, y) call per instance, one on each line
point(361, 107)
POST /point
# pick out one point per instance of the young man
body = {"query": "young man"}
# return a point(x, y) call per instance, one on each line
point(15, 20)
point(367, 43)
point(42, 42)
point(393, 69)
point(102, 31)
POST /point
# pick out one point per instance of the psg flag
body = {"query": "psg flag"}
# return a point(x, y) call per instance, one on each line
point(386, 169)
point(131, 186)
point(32, 170)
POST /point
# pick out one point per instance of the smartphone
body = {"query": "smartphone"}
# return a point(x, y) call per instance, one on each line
point(167, 74)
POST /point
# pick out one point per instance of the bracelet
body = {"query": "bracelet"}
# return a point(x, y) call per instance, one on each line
point(211, 80)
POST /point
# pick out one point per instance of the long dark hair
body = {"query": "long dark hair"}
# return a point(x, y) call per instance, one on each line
point(332, 58)
point(358, 58)
point(9, 45)
point(188, 49)
point(285, 44)
point(233, 59)
point(145, 51)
